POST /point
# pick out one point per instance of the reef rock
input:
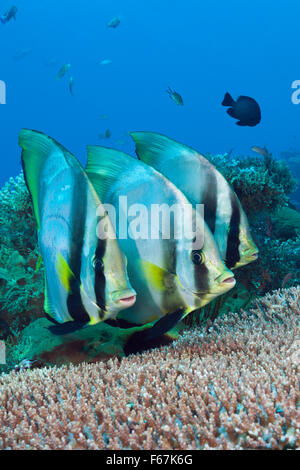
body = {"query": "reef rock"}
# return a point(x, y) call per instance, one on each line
point(90, 344)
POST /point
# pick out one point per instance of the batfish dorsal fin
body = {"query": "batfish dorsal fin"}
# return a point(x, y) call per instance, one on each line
point(155, 149)
point(105, 166)
point(36, 149)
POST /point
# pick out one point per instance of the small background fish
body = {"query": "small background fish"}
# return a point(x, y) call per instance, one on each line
point(105, 62)
point(175, 96)
point(9, 15)
point(19, 55)
point(260, 150)
point(106, 135)
point(114, 23)
point(63, 70)
point(245, 109)
point(71, 85)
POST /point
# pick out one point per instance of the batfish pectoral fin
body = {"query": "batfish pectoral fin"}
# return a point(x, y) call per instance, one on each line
point(64, 272)
point(154, 275)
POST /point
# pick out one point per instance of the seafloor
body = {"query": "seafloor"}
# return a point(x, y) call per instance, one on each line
point(233, 385)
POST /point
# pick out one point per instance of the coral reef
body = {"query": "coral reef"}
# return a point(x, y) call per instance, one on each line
point(279, 260)
point(21, 286)
point(233, 301)
point(286, 223)
point(292, 157)
point(261, 183)
point(233, 385)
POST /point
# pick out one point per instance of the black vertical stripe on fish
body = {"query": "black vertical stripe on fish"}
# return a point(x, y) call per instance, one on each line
point(233, 241)
point(100, 277)
point(201, 276)
point(78, 218)
point(169, 263)
point(209, 199)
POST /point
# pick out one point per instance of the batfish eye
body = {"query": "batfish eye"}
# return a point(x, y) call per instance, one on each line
point(197, 257)
point(98, 265)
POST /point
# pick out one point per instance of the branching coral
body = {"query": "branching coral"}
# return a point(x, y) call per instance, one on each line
point(234, 385)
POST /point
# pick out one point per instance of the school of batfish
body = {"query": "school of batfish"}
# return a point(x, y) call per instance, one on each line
point(89, 279)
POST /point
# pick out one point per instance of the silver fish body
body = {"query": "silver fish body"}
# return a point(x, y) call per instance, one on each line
point(203, 184)
point(86, 278)
point(167, 273)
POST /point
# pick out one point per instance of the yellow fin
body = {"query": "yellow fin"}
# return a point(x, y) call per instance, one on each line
point(93, 321)
point(64, 272)
point(187, 311)
point(154, 274)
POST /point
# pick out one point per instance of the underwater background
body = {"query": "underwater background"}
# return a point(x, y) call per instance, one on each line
point(201, 49)
point(120, 76)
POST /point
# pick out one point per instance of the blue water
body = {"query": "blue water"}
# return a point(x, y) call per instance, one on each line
point(201, 49)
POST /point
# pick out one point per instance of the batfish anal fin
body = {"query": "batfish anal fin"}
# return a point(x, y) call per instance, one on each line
point(140, 339)
point(66, 328)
